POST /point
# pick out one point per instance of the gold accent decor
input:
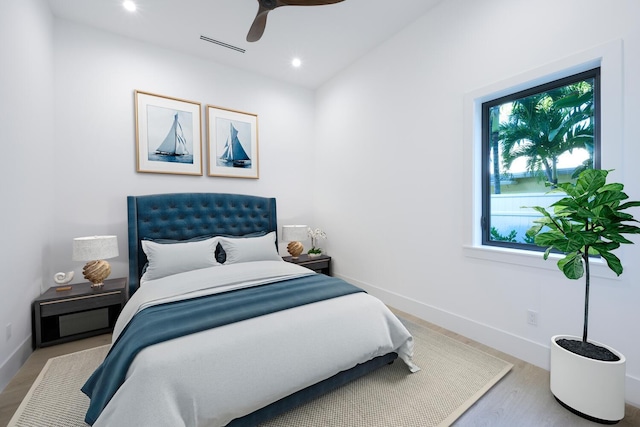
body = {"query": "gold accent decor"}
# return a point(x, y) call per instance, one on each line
point(295, 249)
point(96, 272)
point(294, 234)
point(100, 295)
point(94, 250)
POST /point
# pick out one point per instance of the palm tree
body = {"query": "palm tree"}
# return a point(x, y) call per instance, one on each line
point(543, 126)
point(494, 125)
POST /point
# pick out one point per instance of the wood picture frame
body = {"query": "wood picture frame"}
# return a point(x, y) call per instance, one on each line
point(232, 143)
point(168, 134)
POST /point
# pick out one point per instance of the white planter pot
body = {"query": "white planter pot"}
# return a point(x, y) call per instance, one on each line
point(591, 388)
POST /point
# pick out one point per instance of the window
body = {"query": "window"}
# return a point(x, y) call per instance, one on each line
point(532, 140)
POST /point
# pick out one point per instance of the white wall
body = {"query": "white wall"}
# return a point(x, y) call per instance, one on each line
point(391, 152)
point(26, 187)
point(96, 74)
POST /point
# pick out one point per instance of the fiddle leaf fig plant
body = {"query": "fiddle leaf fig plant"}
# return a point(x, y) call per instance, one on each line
point(587, 222)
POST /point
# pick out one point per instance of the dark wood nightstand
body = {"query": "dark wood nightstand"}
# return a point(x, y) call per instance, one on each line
point(319, 264)
point(80, 312)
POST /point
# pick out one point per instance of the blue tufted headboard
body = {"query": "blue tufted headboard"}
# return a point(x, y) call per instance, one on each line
point(180, 216)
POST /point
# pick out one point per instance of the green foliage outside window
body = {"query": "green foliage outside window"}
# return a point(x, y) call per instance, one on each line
point(542, 136)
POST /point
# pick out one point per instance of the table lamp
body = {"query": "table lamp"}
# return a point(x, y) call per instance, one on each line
point(95, 250)
point(294, 234)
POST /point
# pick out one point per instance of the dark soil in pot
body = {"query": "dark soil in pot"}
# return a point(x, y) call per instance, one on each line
point(588, 349)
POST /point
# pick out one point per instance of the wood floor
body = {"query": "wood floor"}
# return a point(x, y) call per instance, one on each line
point(520, 399)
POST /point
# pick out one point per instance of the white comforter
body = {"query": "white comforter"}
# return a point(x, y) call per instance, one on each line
point(212, 377)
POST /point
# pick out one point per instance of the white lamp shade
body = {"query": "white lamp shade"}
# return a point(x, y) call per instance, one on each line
point(294, 233)
point(94, 248)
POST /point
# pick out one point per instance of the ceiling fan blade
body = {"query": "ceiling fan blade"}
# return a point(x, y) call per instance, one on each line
point(260, 21)
point(259, 24)
point(306, 2)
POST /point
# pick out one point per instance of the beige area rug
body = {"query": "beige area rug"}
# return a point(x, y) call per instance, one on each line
point(453, 377)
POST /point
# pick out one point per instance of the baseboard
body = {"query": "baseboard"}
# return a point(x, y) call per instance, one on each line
point(531, 352)
point(632, 390)
point(13, 364)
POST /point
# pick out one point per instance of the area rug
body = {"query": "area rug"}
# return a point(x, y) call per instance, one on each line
point(453, 377)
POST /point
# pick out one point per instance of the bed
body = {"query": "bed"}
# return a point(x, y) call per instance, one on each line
point(219, 330)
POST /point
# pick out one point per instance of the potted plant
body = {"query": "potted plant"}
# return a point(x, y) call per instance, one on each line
point(587, 377)
point(315, 235)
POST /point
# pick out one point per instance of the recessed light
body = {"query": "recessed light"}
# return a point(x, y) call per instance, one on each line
point(129, 5)
point(296, 62)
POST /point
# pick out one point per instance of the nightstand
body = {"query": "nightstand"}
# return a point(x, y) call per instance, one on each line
point(319, 264)
point(80, 312)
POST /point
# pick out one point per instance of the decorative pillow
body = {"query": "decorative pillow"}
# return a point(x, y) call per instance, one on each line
point(245, 249)
point(221, 255)
point(165, 259)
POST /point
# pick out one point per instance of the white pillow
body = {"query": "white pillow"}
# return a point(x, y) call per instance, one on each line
point(166, 259)
point(246, 249)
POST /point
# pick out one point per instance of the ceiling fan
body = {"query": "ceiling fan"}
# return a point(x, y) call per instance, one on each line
point(260, 21)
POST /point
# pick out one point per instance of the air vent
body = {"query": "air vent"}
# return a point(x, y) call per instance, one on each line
point(223, 44)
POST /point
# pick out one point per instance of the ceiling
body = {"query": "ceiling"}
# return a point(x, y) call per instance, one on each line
point(326, 38)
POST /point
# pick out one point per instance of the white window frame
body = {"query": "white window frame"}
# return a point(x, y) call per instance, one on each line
point(608, 57)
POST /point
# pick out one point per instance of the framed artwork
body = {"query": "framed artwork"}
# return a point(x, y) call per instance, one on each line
point(168, 135)
point(233, 143)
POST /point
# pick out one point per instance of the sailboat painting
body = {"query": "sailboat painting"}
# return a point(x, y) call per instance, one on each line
point(168, 135)
point(233, 153)
point(175, 144)
point(233, 143)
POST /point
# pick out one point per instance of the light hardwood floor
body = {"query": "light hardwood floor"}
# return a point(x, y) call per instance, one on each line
point(521, 399)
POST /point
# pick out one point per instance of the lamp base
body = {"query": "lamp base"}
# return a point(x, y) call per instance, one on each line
point(295, 249)
point(96, 272)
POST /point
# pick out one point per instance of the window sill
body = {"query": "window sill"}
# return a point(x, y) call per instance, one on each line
point(598, 267)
